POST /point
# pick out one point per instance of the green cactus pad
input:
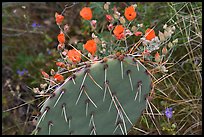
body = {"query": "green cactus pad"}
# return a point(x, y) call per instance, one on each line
point(106, 97)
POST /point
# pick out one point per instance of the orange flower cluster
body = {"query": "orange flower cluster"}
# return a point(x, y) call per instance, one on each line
point(119, 32)
point(91, 47)
point(59, 18)
point(58, 78)
point(74, 55)
point(60, 64)
point(61, 38)
point(86, 13)
point(149, 34)
point(130, 13)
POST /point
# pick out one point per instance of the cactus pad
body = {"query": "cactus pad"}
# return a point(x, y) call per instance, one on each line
point(106, 97)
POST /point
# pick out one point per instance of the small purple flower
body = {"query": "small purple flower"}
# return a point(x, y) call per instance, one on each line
point(23, 72)
point(35, 25)
point(20, 73)
point(169, 112)
point(49, 52)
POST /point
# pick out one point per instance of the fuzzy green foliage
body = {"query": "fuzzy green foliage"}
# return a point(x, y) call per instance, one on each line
point(84, 104)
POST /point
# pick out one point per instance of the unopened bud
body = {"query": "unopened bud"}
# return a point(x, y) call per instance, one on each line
point(122, 20)
point(106, 6)
point(175, 41)
point(170, 45)
point(116, 16)
point(109, 18)
point(17, 87)
point(36, 90)
point(97, 40)
point(110, 27)
point(164, 51)
point(60, 46)
point(163, 69)
point(93, 35)
point(108, 3)
point(43, 86)
point(134, 6)
point(52, 72)
point(157, 57)
point(161, 36)
point(173, 28)
point(66, 28)
point(166, 34)
point(134, 29)
point(165, 26)
point(93, 24)
point(44, 74)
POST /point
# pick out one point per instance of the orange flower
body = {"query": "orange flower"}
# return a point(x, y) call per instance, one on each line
point(58, 78)
point(86, 13)
point(59, 18)
point(74, 55)
point(44, 74)
point(60, 64)
point(90, 46)
point(130, 13)
point(61, 38)
point(119, 32)
point(149, 34)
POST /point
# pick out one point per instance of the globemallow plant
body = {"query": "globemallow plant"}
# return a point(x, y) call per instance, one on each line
point(109, 81)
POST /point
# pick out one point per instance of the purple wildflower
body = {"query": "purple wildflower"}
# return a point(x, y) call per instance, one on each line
point(35, 25)
point(49, 52)
point(169, 112)
point(20, 73)
point(23, 72)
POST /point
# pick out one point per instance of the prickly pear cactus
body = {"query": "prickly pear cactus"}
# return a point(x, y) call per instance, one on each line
point(105, 97)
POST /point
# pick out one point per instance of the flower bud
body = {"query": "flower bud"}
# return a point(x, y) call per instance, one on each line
point(109, 18)
point(66, 28)
point(167, 34)
point(122, 20)
point(116, 16)
point(52, 72)
point(60, 46)
point(170, 45)
point(134, 29)
point(157, 57)
point(134, 6)
point(106, 6)
point(93, 24)
point(44, 74)
point(173, 28)
point(43, 86)
point(97, 40)
point(164, 51)
point(110, 27)
point(161, 36)
point(93, 35)
point(36, 90)
point(175, 41)
point(138, 33)
point(165, 26)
